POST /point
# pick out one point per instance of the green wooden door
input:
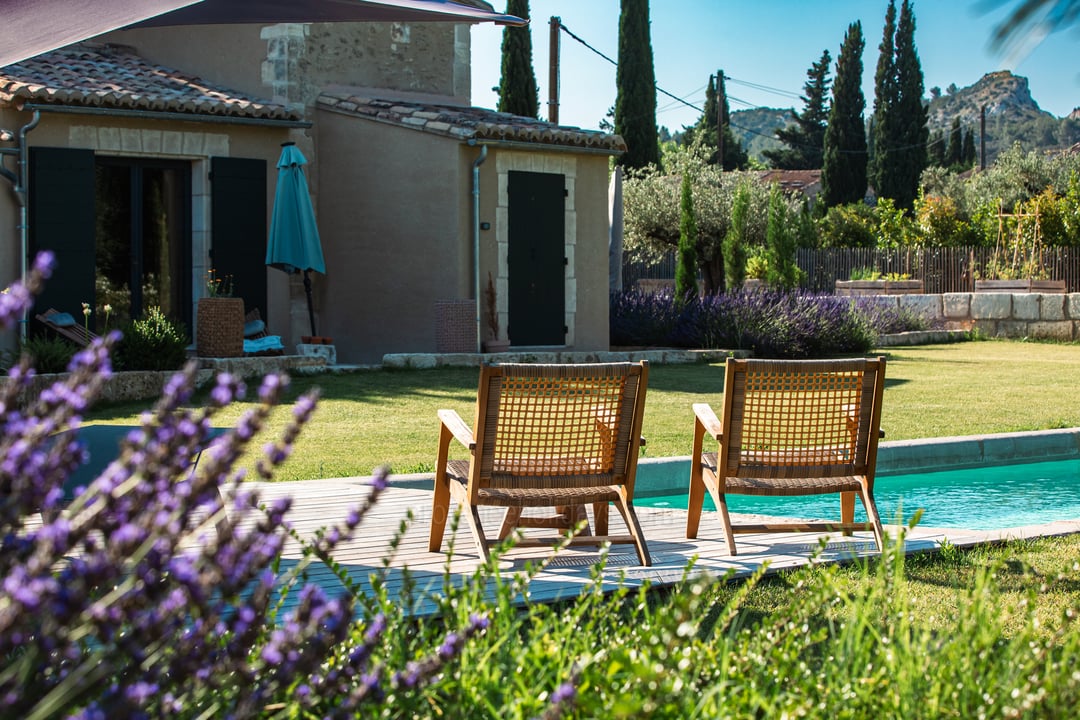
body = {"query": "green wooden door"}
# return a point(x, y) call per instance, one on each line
point(537, 258)
point(61, 216)
point(238, 227)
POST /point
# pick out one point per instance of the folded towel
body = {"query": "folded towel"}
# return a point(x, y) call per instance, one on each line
point(270, 342)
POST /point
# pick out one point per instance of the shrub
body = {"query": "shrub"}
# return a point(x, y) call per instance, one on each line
point(735, 241)
point(153, 343)
point(771, 323)
point(49, 354)
point(686, 287)
point(853, 225)
point(782, 270)
point(641, 318)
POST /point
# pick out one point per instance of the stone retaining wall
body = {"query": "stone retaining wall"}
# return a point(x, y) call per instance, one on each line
point(146, 384)
point(1013, 315)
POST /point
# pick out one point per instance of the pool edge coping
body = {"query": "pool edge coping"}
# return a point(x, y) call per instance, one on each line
point(669, 475)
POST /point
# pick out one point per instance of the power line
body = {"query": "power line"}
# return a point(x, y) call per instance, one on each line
point(764, 88)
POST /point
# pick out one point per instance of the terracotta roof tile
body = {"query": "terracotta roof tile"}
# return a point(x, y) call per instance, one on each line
point(466, 123)
point(114, 77)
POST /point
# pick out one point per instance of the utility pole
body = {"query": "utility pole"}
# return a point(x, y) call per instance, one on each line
point(553, 69)
point(721, 100)
point(982, 139)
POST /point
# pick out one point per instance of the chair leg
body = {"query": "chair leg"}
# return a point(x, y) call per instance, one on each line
point(626, 509)
point(695, 499)
point(510, 522)
point(600, 514)
point(867, 498)
point(725, 520)
point(440, 509)
point(847, 509)
point(477, 528)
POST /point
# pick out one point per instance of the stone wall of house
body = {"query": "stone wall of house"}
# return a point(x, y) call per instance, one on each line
point(1033, 315)
point(291, 63)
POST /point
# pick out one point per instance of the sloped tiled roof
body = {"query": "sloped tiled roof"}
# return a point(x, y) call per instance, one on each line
point(466, 123)
point(110, 76)
point(792, 180)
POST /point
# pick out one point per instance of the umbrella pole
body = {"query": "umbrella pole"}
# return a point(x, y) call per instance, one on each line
point(310, 309)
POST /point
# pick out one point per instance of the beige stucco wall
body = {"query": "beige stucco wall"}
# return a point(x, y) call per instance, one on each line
point(195, 142)
point(585, 237)
point(394, 221)
point(397, 232)
point(291, 63)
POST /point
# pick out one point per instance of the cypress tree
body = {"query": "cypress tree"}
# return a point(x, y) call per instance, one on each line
point(734, 245)
point(518, 93)
point(882, 134)
point(900, 133)
point(955, 154)
point(935, 151)
point(782, 272)
point(911, 113)
point(686, 271)
point(805, 139)
point(843, 173)
point(635, 80)
point(967, 155)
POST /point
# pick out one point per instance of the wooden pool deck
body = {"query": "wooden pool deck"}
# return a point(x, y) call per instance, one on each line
point(320, 503)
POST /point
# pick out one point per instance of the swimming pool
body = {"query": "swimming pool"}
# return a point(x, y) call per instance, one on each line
point(988, 498)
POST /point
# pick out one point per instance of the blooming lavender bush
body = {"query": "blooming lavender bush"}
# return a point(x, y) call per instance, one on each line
point(770, 323)
point(154, 593)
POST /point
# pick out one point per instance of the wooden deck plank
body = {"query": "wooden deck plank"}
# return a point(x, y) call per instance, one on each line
point(319, 503)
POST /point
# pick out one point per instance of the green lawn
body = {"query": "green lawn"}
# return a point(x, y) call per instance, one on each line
point(370, 418)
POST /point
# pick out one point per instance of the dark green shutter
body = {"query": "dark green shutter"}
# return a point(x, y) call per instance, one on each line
point(61, 215)
point(537, 258)
point(238, 227)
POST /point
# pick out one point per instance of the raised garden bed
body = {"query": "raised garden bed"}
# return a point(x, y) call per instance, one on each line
point(1026, 285)
point(879, 287)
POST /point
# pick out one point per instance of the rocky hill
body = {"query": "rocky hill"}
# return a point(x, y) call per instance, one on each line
point(1012, 115)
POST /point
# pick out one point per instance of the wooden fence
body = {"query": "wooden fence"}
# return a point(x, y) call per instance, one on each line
point(942, 270)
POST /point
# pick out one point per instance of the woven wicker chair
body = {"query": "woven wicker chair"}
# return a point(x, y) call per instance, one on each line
point(550, 436)
point(76, 333)
point(794, 427)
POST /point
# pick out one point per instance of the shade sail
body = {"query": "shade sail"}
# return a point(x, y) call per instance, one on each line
point(31, 27)
point(210, 12)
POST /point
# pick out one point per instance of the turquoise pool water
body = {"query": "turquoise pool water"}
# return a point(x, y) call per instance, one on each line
point(989, 498)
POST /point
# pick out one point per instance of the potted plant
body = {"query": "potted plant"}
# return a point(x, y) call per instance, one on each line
point(493, 343)
point(219, 324)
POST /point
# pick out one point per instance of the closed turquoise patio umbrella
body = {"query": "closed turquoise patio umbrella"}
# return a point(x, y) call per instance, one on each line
point(294, 245)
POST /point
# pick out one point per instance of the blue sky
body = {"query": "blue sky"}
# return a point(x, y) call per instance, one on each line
point(769, 43)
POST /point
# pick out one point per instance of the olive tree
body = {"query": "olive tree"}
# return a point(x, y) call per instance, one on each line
point(651, 210)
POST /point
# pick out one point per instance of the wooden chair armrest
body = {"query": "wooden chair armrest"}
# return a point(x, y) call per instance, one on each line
point(457, 427)
point(708, 421)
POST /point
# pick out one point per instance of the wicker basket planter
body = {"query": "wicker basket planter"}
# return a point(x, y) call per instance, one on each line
point(220, 327)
